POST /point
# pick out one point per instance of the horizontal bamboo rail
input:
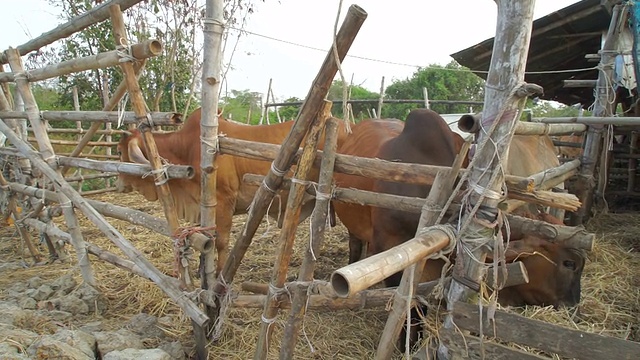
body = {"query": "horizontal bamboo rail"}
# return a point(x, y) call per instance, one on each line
point(532, 128)
point(172, 171)
point(143, 50)
point(71, 142)
point(99, 13)
point(360, 275)
point(386, 101)
point(93, 156)
point(82, 131)
point(367, 167)
point(89, 177)
point(573, 237)
point(128, 117)
point(590, 120)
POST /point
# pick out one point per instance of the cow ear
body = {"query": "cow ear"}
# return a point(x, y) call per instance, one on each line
point(135, 153)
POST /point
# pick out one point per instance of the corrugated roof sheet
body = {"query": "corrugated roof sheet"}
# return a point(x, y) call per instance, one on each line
point(559, 41)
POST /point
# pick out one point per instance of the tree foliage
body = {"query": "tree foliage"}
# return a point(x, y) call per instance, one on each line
point(451, 82)
point(360, 111)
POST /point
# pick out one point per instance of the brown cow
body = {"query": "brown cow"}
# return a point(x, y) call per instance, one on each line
point(232, 194)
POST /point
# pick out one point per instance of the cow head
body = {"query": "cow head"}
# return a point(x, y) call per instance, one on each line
point(554, 273)
point(129, 150)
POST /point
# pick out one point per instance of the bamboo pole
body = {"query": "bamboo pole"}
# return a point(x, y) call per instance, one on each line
point(172, 171)
point(47, 152)
point(145, 126)
point(591, 120)
point(72, 142)
point(95, 15)
point(211, 79)
point(602, 107)
point(441, 191)
point(314, 100)
point(89, 177)
point(143, 50)
point(504, 94)
point(361, 275)
point(113, 101)
point(532, 128)
point(127, 117)
point(288, 232)
point(354, 165)
point(381, 100)
point(112, 233)
point(318, 226)
point(572, 237)
point(82, 131)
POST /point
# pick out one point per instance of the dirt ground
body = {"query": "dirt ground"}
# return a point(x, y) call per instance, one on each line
point(610, 297)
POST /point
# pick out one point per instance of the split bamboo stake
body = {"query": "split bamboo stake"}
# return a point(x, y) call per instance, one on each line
point(117, 96)
point(313, 102)
point(46, 149)
point(211, 80)
point(288, 232)
point(318, 226)
point(503, 96)
point(112, 233)
point(380, 100)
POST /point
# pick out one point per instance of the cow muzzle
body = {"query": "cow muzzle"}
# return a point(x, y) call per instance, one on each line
point(121, 187)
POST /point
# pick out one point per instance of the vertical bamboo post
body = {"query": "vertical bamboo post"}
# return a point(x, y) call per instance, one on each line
point(107, 126)
point(211, 78)
point(425, 94)
point(380, 100)
point(603, 107)
point(21, 129)
point(441, 190)
point(40, 132)
point(265, 109)
point(310, 108)
point(139, 108)
point(504, 95)
point(113, 101)
point(633, 162)
point(318, 225)
point(288, 232)
point(273, 98)
point(76, 107)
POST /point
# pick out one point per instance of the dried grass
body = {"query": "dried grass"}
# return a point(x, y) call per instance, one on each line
point(610, 292)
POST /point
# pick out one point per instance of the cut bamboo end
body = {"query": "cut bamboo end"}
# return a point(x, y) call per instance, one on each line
point(358, 276)
point(201, 242)
point(516, 275)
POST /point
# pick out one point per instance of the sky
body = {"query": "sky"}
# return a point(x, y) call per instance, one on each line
point(397, 39)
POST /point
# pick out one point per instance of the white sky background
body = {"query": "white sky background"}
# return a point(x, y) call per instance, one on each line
point(413, 32)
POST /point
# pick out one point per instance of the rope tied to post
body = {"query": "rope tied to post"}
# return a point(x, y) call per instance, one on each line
point(160, 175)
point(181, 248)
point(123, 50)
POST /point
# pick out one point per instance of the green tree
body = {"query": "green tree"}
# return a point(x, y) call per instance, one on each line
point(244, 106)
point(451, 82)
point(289, 112)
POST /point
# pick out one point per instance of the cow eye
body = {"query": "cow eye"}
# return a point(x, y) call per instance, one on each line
point(569, 264)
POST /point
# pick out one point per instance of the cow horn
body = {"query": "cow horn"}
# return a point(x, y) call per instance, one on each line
point(135, 153)
point(469, 123)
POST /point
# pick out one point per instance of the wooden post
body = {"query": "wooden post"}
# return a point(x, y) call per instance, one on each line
point(440, 192)
point(318, 224)
point(603, 107)
point(288, 232)
point(76, 107)
point(13, 209)
point(633, 162)
point(273, 98)
point(504, 95)
point(107, 125)
point(211, 78)
point(117, 95)
point(313, 103)
point(380, 100)
point(265, 110)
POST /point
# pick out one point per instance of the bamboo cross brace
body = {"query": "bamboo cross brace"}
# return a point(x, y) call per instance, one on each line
point(354, 19)
point(13, 209)
point(288, 232)
point(441, 191)
point(318, 225)
point(112, 233)
point(113, 101)
point(139, 107)
point(40, 132)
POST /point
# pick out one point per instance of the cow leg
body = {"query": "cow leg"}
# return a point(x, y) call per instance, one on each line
point(224, 221)
point(355, 249)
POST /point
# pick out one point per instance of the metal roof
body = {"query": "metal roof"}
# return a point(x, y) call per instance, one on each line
point(559, 41)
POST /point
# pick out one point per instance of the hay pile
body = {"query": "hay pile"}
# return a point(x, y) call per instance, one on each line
point(610, 294)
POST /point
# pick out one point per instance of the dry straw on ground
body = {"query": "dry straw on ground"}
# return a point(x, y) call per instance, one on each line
point(610, 292)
